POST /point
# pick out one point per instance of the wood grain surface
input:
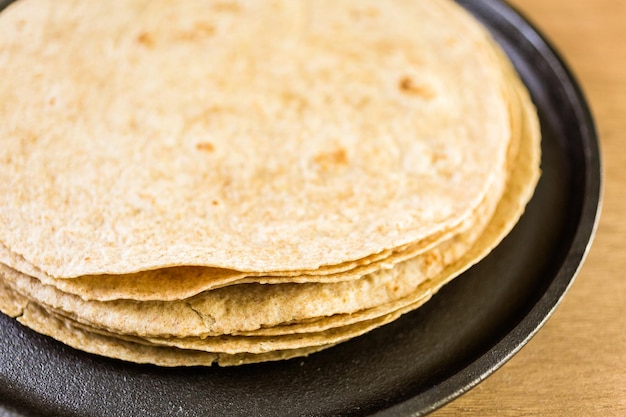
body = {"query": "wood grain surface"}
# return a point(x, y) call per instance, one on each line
point(576, 365)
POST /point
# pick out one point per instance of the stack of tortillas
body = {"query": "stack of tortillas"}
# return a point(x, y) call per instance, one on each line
point(196, 182)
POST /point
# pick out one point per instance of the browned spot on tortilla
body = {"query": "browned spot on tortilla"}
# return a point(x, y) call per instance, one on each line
point(438, 157)
point(430, 258)
point(329, 160)
point(408, 86)
point(145, 39)
point(205, 146)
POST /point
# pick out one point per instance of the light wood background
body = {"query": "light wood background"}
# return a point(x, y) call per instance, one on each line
point(576, 365)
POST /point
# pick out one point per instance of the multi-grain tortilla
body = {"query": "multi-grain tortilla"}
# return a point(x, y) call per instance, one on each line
point(262, 136)
point(43, 322)
point(356, 157)
point(249, 307)
point(523, 176)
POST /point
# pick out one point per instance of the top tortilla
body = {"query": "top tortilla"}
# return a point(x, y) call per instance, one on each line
point(247, 308)
point(255, 136)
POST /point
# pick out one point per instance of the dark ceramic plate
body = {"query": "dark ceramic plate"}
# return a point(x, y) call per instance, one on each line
point(409, 367)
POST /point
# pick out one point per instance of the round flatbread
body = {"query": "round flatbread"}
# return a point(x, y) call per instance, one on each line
point(245, 308)
point(267, 136)
point(350, 157)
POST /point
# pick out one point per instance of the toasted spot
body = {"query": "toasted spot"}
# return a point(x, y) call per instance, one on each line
point(437, 157)
point(430, 259)
point(329, 160)
point(145, 39)
point(408, 86)
point(205, 146)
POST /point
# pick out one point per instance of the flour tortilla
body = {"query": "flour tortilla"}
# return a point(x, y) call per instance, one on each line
point(522, 183)
point(43, 322)
point(263, 161)
point(247, 307)
point(49, 320)
point(523, 178)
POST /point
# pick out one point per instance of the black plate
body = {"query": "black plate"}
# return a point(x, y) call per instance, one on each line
point(409, 367)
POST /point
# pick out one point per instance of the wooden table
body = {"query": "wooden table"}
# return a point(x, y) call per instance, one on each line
point(576, 365)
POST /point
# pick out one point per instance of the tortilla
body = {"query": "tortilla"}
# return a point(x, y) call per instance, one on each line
point(471, 194)
point(522, 186)
point(263, 161)
point(43, 322)
point(248, 307)
point(263, 302)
